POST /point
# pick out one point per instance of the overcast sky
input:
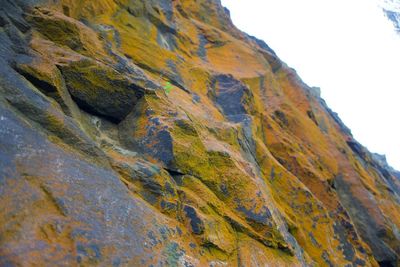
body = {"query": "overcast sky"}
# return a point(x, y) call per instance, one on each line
point(348, 48)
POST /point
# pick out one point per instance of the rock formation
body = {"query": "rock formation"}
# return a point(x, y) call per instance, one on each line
point(155, 133)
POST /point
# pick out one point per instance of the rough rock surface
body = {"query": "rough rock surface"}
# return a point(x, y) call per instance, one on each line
point(155, 133)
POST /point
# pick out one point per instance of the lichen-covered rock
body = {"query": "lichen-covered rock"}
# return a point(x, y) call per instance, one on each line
point(101, 90)
point(155, 133)
point(66, 31)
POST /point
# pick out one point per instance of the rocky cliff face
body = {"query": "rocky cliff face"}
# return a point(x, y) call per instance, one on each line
point(155, 133)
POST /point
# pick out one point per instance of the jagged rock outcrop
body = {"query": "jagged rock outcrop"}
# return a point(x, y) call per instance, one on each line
point(155, 133)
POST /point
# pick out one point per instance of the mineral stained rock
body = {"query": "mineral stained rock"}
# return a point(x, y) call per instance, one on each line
point(155, 133)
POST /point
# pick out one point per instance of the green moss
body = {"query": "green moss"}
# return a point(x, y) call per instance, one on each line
point(186, 128)
point(61, 32)
point(100, 90)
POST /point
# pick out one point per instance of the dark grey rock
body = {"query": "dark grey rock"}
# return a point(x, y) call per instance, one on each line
point(35, 106)
point(367, 227)
point(100, 90)
point(262, 44)
point(156, 142)
point(202, 51)
point(231, 95)
point(336, 118)
point(89, 208)
point(195, 222)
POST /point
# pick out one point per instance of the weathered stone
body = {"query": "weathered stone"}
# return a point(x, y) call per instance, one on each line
point(155, 133)
point(101, 90)
point(72, 213)
point(231, 95)
point(64, 30)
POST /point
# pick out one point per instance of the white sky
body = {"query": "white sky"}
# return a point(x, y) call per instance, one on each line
point(346, 47)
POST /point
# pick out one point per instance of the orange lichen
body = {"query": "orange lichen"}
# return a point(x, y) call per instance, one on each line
point(271, 177)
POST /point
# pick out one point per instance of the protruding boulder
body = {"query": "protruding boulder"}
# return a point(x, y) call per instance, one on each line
point(101, 90)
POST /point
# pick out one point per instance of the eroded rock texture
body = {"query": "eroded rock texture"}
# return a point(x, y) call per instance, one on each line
point(155, 133)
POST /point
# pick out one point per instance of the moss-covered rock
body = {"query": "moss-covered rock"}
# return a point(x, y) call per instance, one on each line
point(101, 90)
point(155, 133)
